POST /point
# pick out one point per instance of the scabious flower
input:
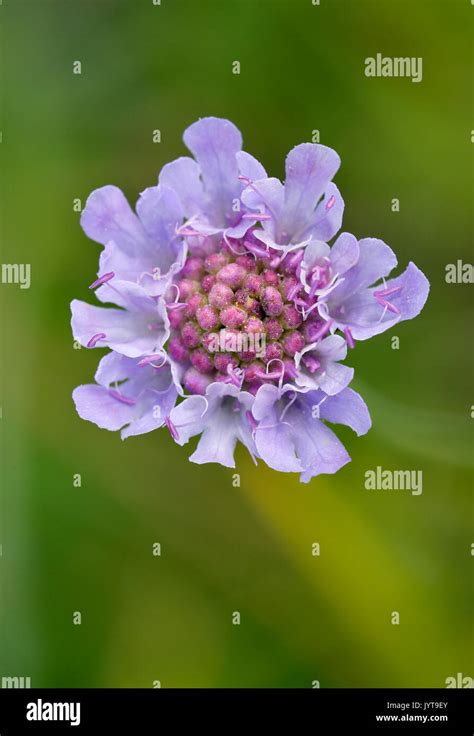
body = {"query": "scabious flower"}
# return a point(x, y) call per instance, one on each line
point(235, 314)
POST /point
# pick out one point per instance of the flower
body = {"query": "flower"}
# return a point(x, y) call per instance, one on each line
point(235, 314)
point(143, 247)
point(129, 396)
point(290, 435)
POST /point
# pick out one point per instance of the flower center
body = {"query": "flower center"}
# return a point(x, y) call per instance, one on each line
point(240, 315)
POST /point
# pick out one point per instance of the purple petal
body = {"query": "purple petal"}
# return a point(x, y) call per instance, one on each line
point(331, 376)
point(215, 143)
point(275, 444)
point(184, 176)
point(327, 217)
point(132, 333)
point(266, 397)
point(160, 212)
point(96, 404)
point(317, 447)
point(367, 317)
point(250, 167)
point(344, 253)
point(309, 169)
point(189, 418)
point(108, 216)
point(376, 260)
point(114, 368)
point(346, 407)
point(154, 406)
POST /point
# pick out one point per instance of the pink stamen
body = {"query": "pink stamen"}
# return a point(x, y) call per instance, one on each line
point(250, 216)
point(388, 292)
point(175, 305)
point(149, 360)
point(245, 179)
point(234, 376)
point(349, 338)
point(102, 280)
point(387, 305)
point(272, 375)
point(95, 339)
point(293, 291)
point(121, 397)
point(311, 363)
point(323, 331)
point(256, 249)
point(172, 429)
point(187, 231)
point(331, 202)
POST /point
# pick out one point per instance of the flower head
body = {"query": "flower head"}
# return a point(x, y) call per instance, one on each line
point(232, 303)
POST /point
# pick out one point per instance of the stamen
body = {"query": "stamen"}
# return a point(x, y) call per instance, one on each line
point(386, 304)
point(95, 339)
point(331, 202)
point(311, 363)
point(290, 403)
point(102, 280)
point(256, 250)
point(172, 429)
point(260, 217)
point(121, 397)
point(293, 292)
point(388, 292)
point(323, 331)
point(148, 360)
point(349, 338)
point(187, 231)
point(236, 375)
point(231, 247)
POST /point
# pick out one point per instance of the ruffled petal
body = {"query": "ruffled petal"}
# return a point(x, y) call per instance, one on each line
point(153, 407)
point(108, 216)
point(344, 254)
point(184, 176)
point(316, 446)
point(140, 329)
point(215, 143)
point(161, 213)
point(376, 260)
point(275, 444)
point(327, 217)
point(347, 407)
point(331, 376)
point(96, 404)
point(367, 316)
point(309, 169)
point(249, 166)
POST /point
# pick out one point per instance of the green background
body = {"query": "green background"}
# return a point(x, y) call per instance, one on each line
point(225, 549)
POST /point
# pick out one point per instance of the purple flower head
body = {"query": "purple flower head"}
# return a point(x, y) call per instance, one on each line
point(233, 315)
